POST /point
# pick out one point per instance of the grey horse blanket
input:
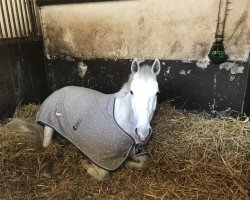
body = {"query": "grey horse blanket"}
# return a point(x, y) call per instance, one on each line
point(86, 118)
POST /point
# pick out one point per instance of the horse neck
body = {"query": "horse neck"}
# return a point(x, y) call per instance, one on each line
point(124, 115)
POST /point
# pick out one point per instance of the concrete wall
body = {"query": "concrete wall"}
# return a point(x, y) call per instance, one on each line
point(92, 44)
point(176, 30)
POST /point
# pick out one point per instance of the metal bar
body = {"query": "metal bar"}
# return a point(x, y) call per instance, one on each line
point(22, 17)
point(3, 17)
point(34, 18)
point(29, 26)
point(36, 13)
point(222, 15)
point(218, 20)
point(31, 17)
point(1, 27)
point(18, 19)
point(1, 31)
point(55, 2)
point(20, 40)
point(8, 18)
point(225, 17)
point(34, 22)
point(25, 18)
point(13, 18)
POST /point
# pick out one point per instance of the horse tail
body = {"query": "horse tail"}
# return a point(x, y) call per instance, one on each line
point(34, 132)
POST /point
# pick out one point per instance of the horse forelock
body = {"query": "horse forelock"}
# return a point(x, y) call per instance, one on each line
point(145, 73)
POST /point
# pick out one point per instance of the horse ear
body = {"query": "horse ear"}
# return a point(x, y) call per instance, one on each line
point(135, 66)
point(156, 67)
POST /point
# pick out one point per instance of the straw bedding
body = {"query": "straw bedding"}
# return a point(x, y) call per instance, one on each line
point(191, 157)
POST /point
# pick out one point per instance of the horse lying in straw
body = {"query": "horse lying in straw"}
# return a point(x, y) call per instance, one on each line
point(109, 129)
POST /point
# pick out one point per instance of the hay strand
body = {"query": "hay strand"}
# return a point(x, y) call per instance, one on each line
point(191, 157)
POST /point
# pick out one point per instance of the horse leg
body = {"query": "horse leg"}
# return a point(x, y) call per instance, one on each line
point(48, 132)
point(141, 162)
point(48, 165)
point(95, 171)
point(33, 132)
point(48, 162)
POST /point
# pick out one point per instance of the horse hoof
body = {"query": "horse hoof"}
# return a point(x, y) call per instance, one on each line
point(96, 172)
point(98, 175)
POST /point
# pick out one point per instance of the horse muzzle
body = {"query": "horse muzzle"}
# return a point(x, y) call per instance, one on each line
point(143, 136)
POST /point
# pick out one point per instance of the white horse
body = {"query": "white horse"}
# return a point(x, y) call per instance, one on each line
point(133, 108)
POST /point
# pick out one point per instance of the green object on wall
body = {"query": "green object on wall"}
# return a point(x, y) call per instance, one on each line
point(217, 52)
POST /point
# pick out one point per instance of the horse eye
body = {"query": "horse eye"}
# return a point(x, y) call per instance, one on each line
point(157, 93)
point(131, 92)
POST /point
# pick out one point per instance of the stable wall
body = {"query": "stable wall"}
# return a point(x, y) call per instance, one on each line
point(92, 44)
point(22, 75)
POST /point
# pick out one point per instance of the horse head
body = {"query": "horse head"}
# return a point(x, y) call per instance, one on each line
point(144, 90)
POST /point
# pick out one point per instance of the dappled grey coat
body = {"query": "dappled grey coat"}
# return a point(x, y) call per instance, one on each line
point(86, 118)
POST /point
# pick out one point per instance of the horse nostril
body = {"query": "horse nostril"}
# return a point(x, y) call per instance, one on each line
point(138, 135)
point(149, 134)
point(150, 131)
point(136, 132)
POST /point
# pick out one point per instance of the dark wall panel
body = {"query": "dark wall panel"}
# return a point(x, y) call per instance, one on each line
point(22, 75)
point(246, 105)
point(185, 85)
point(57, 2)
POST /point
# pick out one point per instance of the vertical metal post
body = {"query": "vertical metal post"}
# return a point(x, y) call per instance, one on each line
point(28, 21)
point(1, 31)
point(3, 18)
point(37, 21)
point(22, 17)
point(13, 18)
point(33, 17)
point(8, 18)
point(18, 19)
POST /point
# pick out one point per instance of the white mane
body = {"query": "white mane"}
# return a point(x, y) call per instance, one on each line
point(125, 88)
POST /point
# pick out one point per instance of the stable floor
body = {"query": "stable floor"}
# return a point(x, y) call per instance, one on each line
point(191, 157)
